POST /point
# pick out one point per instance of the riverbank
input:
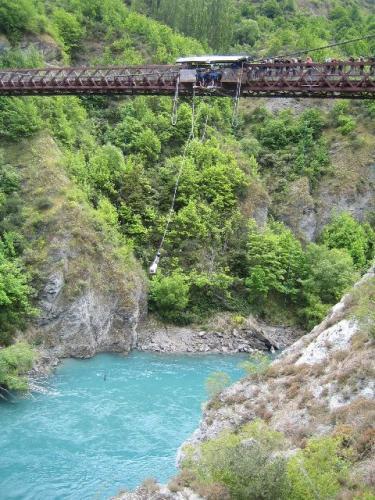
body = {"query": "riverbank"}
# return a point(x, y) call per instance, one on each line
point(220, 336)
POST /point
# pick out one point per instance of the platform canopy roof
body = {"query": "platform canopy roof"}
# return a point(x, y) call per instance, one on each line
point(211, 59)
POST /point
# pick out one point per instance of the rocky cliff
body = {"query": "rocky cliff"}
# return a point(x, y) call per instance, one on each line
point(324, 380)
point(91, 293)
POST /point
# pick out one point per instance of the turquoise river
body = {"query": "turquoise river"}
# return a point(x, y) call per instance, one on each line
point(105, 424)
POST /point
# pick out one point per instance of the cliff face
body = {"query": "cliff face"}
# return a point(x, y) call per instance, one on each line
point(323, 380)
point(348, 187)
point(91, 293)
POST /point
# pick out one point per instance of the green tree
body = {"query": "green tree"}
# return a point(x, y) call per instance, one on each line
point(17, 17)
point(346, 233)
point(69, 28)
point(330, 272)
point(18, 117)
point(106, 168)
point(15, 293)
point(275, 261)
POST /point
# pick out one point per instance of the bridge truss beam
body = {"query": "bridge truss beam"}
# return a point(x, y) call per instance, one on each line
point(352, 80)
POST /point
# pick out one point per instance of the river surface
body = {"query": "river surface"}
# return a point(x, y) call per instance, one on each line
point(106, 424)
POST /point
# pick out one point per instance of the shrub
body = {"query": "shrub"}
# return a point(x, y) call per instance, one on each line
point(341, 119)
point(169, 295)
point(14, 362)
point(216, 382)
point(68, 28)
point(15, 293)
point(364, 307)
point(19, 117)
point(16, 17)
point(257, 364)
point(275, 261)
point(318, 471)
point(247, 463)
point(330, 272)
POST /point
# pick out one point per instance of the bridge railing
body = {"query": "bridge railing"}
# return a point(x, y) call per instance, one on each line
point(345, 77)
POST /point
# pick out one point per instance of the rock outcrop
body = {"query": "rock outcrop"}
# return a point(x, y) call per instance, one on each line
point(91, 291)
point(43, 43)
point(325, 379)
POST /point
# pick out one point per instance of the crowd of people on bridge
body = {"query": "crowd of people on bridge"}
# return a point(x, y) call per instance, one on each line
point(291, 67)
point(296, 66)
point(209, 77)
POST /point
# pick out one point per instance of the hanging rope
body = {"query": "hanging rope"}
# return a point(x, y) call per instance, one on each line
point(237, 97)
point(175, 102)
point(192, 133)
point(205, 128)
point(154, 266)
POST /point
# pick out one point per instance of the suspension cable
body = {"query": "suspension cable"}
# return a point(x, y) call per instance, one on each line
point(308, 51)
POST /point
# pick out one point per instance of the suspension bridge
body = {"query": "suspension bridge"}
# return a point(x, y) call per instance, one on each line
point(343, 79)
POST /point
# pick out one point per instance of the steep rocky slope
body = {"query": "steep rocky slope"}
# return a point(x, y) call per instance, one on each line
point(91, 292)
point(324, 380)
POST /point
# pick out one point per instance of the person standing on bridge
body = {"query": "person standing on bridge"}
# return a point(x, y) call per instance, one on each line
point(309, 63)
point(199, 74)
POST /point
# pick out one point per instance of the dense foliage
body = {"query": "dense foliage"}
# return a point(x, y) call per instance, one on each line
point(269, 27)
point(125, 155)
point(15, 290)
point(251, 463)
point(15, 361)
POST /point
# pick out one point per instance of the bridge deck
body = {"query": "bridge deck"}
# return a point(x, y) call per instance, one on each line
point(340, 80)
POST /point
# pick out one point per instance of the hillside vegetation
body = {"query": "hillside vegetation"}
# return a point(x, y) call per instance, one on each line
point(233, 245)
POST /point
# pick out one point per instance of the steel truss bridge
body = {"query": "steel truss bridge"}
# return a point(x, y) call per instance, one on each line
point(346, 79)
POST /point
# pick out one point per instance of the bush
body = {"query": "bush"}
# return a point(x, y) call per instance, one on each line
point(363, 308)
point(68, 28)
point(169, 296)
point(257, 364)
point(19, 117)
point(16, 17)
point(14, 362)
point(15, 293)
point(330, 272)
point(246, 463)
point(216, 382)
point(342, 120)
point(318, 471)
point(275, 261)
